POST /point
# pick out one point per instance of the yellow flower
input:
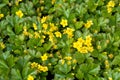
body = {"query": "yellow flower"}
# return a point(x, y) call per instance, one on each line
point(106, 62)
point(58, 34)
point(45, 69)
point(68, 58)
point(69, 32)
point(19, 13)
point(109, 9)
point(42, 68)
point(98, 47)
point(110, 78)
point(111, 4)
point(52, 27)
point(36, 35)
point(53, 1)
point(83, 50)
point(64, 22)
point(88, 24)
point(74, 61)
point(45, 26)
point(110, 56)
point(62, 61)
point(69, 62)
point(1, 15)
point(34, 26)
point(44, 57)
point(30, 77)
point(44, 18)
point(34, 65)
point(90, 49)
point(2, 45)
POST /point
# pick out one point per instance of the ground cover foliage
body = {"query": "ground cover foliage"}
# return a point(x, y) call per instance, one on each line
point(59, 39)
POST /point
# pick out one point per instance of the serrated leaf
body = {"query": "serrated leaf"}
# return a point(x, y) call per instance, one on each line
point(116, 60)
point(15, 74)
point(65, 68)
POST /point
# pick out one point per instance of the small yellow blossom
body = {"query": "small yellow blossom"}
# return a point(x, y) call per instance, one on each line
point(36, 35)
point(42, 68)
point(68, 58)
point(64, 22)
point(110, 78)
point(2, 45)
point(53, 1)
point(69, 32)
point(90, 49)
point(41, 1)
point(30, 77)
point(25, 51)
point(107, 66)
point(98, 47)
point(44, 18)
point(53, 27)
point(74, 61)
point(88, 24)
point(44, 57)
point(1, 16)
point(54, 46)
point(34, 26)
point(83, 50)
point(19, 13)
point(69, 62)
point(45, 26)
point(62, 61)
point(111, 4)
point(106, 62)
point(45, 69)
point(110, 56)
point(34, 65)
point(109, 9)
point(58, 34)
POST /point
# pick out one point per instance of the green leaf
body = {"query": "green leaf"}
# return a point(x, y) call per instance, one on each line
point(15, 74)
point(2, 5)
point(47, 46)
point(80, 75)
point(95, 70)
point(3, 65)
point(11, 61)
point(116, 60)
point(65, 68)
point(78, 25)
point(78, 34)
point(79, 57)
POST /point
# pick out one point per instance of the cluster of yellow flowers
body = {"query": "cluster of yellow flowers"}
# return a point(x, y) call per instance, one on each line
point(1, 15)
point(83, 46)
point(88, 24)
point(69, 32)
point(39, 67)
point(30, 77)
point(110, 5)
point(2, 45)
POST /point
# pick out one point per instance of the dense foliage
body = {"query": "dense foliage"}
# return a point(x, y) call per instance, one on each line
point(60, 39)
